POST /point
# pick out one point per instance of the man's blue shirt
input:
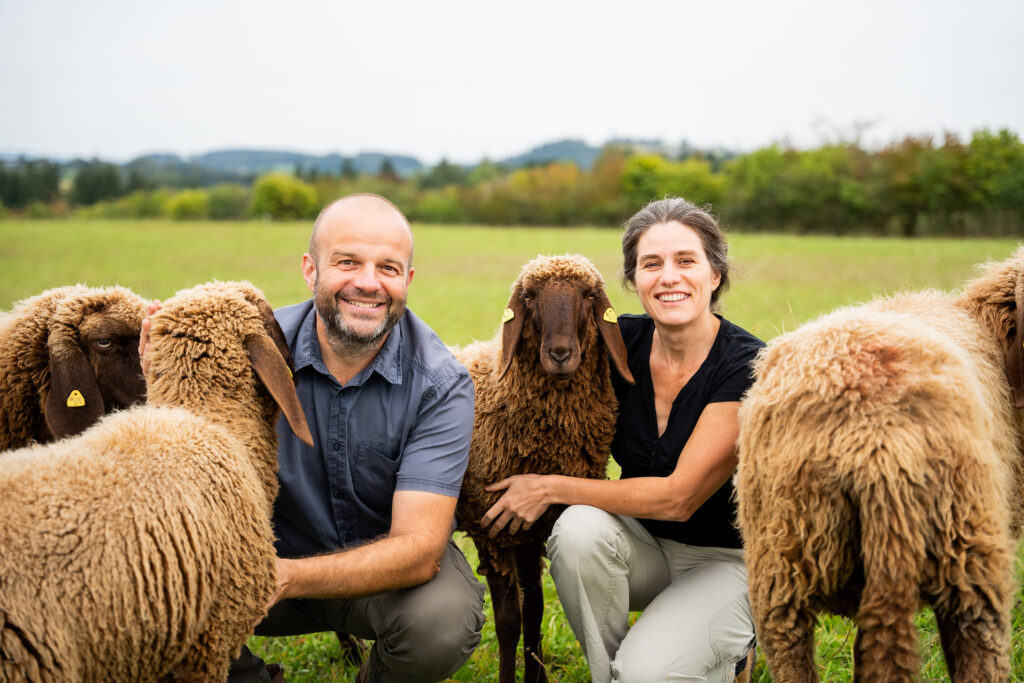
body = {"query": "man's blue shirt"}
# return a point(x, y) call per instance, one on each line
point(402, 424)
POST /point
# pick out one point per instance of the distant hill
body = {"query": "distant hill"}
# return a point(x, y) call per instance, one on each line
point(243, 165)
point(254, 162)
point(576, 151)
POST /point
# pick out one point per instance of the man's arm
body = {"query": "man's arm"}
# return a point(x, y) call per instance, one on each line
point(409, 555)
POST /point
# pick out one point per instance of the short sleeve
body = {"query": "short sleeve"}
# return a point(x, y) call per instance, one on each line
point(437, 451)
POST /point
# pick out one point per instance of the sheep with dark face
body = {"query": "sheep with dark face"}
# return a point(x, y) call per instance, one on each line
point(880, 468)
point(68, 356)
point(545, 405)
point(143, 547)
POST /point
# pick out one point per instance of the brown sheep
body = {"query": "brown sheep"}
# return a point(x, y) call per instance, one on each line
point(881, 468)
point(544, 404)
point(67, 356)
point(143, 547)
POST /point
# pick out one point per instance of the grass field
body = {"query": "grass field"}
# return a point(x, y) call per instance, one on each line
point(460, 288)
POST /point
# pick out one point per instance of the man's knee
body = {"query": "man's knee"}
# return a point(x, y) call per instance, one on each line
point(438, 627)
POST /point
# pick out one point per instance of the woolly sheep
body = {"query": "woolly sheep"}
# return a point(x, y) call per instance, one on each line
point(544, 404)
point(880, 467)
point(67, 356)
point(143, 546)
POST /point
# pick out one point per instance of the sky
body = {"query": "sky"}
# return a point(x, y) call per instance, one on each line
point(115, 79)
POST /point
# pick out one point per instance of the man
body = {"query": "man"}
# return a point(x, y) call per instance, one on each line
point(364, 518)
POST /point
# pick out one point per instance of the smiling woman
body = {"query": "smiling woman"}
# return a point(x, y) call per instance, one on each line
point(661, 538)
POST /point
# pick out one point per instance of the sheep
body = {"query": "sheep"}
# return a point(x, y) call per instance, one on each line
point(880, 469)
point(143, 547)
point(544, 404)
point(67, 356)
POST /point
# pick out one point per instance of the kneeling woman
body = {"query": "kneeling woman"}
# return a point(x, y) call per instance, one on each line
point(661, 539)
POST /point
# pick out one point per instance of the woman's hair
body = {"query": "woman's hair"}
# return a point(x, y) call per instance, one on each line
point(681, 211)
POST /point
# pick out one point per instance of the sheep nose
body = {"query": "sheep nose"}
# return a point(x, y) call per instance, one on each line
point(559, 355)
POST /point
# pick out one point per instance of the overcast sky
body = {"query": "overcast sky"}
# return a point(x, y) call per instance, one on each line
point(464, 80)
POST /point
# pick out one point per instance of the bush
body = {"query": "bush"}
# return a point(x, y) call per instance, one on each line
point(189, 205)
point(281, 196)
point(228, 201)
point(138, 204)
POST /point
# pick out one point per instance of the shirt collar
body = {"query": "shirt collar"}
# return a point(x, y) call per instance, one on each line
point(387, 363)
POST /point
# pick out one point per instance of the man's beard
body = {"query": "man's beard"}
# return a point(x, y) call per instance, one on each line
point(342, 338)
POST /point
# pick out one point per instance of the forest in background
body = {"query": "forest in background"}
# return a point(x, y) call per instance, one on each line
point(914, 186)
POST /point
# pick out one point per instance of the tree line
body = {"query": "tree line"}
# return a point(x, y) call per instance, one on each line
point(913, 186)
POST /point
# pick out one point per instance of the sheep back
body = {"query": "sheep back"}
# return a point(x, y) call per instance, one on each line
point(120, 562)
point(876, 447)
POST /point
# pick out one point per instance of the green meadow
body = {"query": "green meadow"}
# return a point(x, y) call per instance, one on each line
point(462, 280)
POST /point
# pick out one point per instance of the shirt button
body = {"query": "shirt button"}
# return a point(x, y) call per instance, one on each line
point(335, 446)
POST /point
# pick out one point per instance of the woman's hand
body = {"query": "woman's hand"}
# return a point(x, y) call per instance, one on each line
point(524, 501)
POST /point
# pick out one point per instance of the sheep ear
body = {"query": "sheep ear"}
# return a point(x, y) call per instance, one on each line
point(74, 402)
point(276, 376)
point(511, 331)
point(1014, 356)
point(275, 332)
point(608, 326)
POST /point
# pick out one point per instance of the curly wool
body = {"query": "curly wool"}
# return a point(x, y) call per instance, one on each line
point(880, 465)
point(528, 423)
point(24, 356)
point(143, 546)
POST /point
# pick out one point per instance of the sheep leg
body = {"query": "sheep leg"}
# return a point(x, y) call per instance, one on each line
point(886, 648)
point(785, 622)
point(975, 638)
point(507, 621)
point(528, 570)
point(787, 640)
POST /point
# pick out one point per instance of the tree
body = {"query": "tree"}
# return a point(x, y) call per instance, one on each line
point(387, 172)
point(96, 181)
point(280, 196)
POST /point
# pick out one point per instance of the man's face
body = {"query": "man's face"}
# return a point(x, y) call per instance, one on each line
point(361, 275)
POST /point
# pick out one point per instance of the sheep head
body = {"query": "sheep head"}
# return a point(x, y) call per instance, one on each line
point(93, 348)
point(211, 342)
point(560, 301)
point(997, 299)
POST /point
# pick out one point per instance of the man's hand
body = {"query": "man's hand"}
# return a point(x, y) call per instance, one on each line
point(280, 593)
point(151, 310)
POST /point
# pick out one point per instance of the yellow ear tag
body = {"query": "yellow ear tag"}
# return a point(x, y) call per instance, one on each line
point(609, 316)
point(507, 315)
point(75, 399)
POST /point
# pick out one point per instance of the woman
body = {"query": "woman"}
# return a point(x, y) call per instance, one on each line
point(661, 539)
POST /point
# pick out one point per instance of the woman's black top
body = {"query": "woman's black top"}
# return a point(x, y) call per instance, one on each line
point(641, 452)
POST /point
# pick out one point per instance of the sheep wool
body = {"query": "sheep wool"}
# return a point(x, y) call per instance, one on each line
point(880, 467)
point(67, 356)
point(529, 421)
point(143, 548)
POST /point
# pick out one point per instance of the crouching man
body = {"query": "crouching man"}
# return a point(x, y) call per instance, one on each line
point(364, 518)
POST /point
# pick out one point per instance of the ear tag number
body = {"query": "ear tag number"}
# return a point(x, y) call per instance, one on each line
point(507, 315)
point(609, 316)
point(75, 399)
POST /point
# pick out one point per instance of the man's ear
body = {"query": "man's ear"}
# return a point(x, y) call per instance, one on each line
point(309, 271)
point(412, 271)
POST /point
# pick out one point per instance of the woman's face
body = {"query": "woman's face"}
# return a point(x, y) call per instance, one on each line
point(674, 278)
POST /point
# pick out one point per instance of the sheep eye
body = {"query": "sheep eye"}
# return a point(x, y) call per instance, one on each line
point(103, 343)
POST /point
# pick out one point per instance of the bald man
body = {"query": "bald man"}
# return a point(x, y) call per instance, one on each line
point(364, 517)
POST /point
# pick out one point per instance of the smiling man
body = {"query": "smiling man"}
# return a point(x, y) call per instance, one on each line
point(364, 517)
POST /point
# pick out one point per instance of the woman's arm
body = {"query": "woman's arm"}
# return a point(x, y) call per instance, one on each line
point(706, 462)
